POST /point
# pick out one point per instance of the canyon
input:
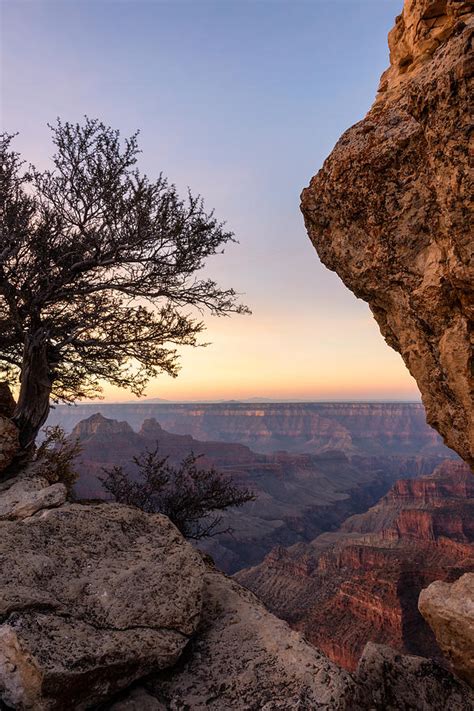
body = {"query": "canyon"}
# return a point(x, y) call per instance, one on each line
point(106, 607)
point(351, 427)
point(298, 495)
point(361, 584)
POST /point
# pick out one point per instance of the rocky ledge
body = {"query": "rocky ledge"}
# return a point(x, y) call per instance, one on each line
point(104, 606)
point(95, 597)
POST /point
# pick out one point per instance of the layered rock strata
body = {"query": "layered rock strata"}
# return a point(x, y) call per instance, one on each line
point(298, 495)
point(362, 583)
point(390, 210)
point(354, 428)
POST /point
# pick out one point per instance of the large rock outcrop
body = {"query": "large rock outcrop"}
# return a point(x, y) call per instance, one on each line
point(92, 598)
point(390, 210)
point(95, 597)
point(245, 658)
point(449, 609)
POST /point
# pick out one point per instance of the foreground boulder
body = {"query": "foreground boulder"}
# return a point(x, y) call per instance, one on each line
point(246, 658)
point(390, 210)
point(95, 597)
point(92, 598)
point(388, 681)
point(449, 609)
point(26, 494)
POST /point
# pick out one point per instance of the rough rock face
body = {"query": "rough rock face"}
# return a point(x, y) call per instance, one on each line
point(389, 681)
point(93, 597)
point(389, 210)
point(449, 609)
point(245, 658)
point(362, 583)
point(28, 493)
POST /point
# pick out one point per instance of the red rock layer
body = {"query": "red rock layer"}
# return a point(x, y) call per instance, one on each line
point(362, 583)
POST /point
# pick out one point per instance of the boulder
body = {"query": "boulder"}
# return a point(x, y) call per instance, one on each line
point(26, 494)
point(388, 681)
point(93, 598)
point(449, 610)
point(243, 657)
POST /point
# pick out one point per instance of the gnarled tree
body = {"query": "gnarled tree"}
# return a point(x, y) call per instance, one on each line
point(99, 271)
point(187, 494)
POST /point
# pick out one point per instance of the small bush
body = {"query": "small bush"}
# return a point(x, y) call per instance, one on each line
point(186, 494)
point(56, 455)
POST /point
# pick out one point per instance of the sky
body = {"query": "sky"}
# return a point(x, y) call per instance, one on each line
point(241, 100)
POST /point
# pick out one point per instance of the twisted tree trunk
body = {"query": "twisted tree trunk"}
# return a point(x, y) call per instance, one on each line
point(36, 383)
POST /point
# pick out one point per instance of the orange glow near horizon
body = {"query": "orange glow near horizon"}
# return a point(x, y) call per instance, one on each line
point(315, 358)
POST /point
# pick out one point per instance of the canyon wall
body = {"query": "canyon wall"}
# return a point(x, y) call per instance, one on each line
point(362, 583)
point(354, 428)
point(298, 495)
point(390, 210)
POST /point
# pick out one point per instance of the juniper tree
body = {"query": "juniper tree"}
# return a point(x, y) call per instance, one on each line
point(99, 271)
point(188, 494)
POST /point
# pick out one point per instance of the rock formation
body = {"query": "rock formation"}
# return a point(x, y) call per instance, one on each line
point(354, 428)
point(93, 597)
point(299, 495)
point(389, 681)
point(449, 609)
point(389, 210)
point(362, 583)
point(97, 596)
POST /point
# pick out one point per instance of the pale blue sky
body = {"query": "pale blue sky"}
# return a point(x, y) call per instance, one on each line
point(241, 100)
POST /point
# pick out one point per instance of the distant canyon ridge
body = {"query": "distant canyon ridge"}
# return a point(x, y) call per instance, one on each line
point(350, 427)
point(311, 465)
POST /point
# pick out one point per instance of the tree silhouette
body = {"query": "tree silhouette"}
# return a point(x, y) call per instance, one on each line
point(99, 271)
point(187, 494)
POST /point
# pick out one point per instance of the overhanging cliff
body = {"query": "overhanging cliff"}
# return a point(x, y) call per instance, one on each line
point(389, 210)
